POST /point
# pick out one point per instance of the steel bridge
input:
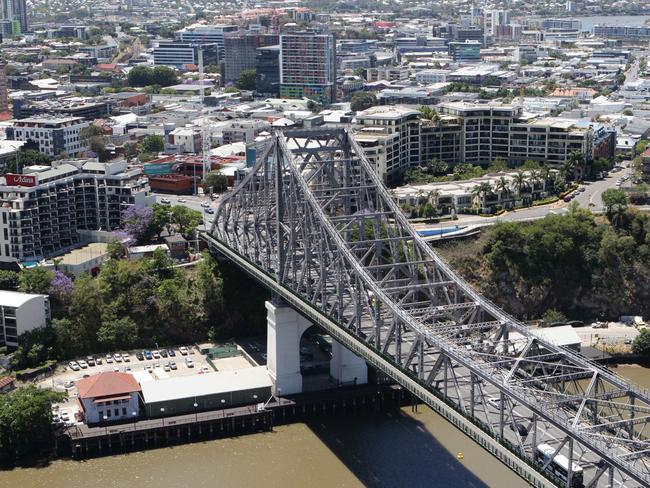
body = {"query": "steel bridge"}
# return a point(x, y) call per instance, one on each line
point(314, 223)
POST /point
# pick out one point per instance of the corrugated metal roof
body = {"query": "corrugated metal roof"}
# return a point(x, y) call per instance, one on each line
point(205, 384)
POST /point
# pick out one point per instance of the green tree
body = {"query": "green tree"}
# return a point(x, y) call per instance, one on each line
point(498, 165)
point(437, 167)
point(35, 280)
point(615, 204)
point(185, 219)
point(161, 219)
point(552, 315)
point(8, 280)
point(25, 422)
point(153, 144)
point(641, 344)
point(428, 113)
point(115, 249)
point(140, 76)
point(117, 332)
point(247, 79)
point(362, 100)
point(25, 157)
point(70, 337)
point(217, 181)
point(164, 76)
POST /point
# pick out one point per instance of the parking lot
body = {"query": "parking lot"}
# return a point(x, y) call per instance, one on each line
point(160, 366)
point(615, 333)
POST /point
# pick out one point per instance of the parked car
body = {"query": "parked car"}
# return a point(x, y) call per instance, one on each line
point(189, 363)
point(156, 354)
point(148, 368)
point(182, 200)
point(83, 364)
point(90, 360)
point(183, 350)
point(172, 365)
point(148, 355)
point(126, 358)
point(171, 353)
point(74, 366)
point(117, 358)
point(109, 359)
point(139, 356)
point(163, 353)
point(205, 369)
point(165, 201)
point(98, 360)
point(205, 204)
point(68, 384)
point(167, 367)
point(209, 210)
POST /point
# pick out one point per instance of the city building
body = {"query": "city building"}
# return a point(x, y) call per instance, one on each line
point(622, 32)
point(21, 312)
point(389, 136)
point(561, 25)
point(240, 52)
point(465, 51)
point(430, 76)
point(184, 55)
point(108, 397)
point(267, 68)
point(53, 135)
point(308, 67)
point(43, 208)
point(15, 10)
point(4, 97)
point(645, 161)
point(223, 389)
point(206, 34)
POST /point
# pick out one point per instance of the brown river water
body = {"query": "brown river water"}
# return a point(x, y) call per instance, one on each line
point(398, 449)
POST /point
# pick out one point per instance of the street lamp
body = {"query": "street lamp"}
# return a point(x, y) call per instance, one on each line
point(106, 424)
point(223, 403)
point(196, 414)
point(162, 412)
point(134, 415)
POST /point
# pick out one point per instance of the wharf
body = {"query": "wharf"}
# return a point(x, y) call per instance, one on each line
point(82, 441)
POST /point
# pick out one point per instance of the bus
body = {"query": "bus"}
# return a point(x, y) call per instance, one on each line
point(559, 466)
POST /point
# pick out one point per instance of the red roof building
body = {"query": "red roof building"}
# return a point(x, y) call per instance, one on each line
point(109, 397)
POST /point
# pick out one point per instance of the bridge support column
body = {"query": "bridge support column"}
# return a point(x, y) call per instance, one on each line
point(284, 329)
point(346, 367)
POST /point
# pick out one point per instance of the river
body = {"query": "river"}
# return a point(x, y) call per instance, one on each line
point(624, 20)
point(399, 449)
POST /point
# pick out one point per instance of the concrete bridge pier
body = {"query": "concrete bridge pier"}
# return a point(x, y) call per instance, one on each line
point(285, 327)
point(346, 367)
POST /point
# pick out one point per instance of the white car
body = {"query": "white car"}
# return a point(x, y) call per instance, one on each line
point(156, 354)
point(183, 350)
point(109, 358)
point(126, 358)
point(83, 364)
point(205, 204)
point(117, 358)
point(74, 366)
point(165, 201)
point(205, 369)
point(189, 363)
point(182, 200)
point(494, 402)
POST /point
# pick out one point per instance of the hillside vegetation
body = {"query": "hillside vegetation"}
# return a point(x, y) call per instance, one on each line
point(577, 264)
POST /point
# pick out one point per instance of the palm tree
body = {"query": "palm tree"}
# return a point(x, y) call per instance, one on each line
point(503, 187)
point(547, 176)
point(482, 191)
point(574, 161)
point(432, 197)
point(520, 182)
point(535, 177)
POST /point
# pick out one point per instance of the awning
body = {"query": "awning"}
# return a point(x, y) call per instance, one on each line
point(110, 399)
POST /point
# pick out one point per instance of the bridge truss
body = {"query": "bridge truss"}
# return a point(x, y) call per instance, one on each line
point(313, 221)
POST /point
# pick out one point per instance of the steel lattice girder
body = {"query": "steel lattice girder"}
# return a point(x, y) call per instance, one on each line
point(314, 214)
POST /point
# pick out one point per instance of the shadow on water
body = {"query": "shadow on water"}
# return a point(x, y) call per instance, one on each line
point(392, 449)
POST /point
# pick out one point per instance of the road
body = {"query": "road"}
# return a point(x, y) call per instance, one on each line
point(589, 198)
point(191, 201)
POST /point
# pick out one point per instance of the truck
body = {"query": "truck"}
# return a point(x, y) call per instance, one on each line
point(632, 320)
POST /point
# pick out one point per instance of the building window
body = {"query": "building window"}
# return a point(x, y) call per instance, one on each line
point(117, 412)
point(123, 410)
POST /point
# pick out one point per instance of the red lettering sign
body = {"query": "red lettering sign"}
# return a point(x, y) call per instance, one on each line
point(20, 180)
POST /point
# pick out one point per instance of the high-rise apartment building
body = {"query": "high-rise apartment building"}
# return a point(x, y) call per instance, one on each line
point(267, 67)
point(240, 52)
point(206, 34)
point(308, 66)
point(43, 208)
point(53, 135)
point(4, 98)
point(15, 10)
point(182, 55)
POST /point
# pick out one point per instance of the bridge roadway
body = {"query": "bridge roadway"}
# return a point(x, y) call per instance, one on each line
point(313, 223)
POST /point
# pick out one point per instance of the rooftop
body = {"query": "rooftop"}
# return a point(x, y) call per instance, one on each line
point(205, 384)
point(15, 298)
point(108, 383)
